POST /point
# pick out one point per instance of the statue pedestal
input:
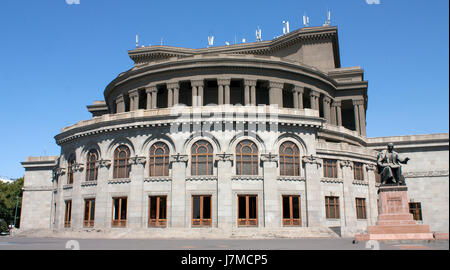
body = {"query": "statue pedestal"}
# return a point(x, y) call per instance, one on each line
point(394, 221)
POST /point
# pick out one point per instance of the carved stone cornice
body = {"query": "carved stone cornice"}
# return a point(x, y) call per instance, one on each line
point(104, 163)
point(290, 178)
point(136, 160)
point(222, 81)
point(197, 83)
point(158, 179)
point(249, 82)
point(172, 85)
point(179, 158)
point(314, 93)
point(275, 84)
point(312, 160)
point(336, 103)
point(331, 180)
point(119, 98)
point(358, 101)
point(299, 89)
point(88, 183)
point(370, 167)
point(327, 99)
point(346, 163)
point(360, 182)
point(133, 92)
point(151, 88)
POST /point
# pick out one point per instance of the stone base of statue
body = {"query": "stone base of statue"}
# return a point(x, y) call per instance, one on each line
point(394, 221)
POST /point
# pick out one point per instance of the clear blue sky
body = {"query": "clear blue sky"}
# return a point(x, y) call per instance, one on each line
point(57, 58)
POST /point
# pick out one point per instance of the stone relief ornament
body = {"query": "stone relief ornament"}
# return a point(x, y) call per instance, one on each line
point(179, 158)
point(312, 160)
point(138, 160)
point(104, 163)
point(77, 167)
point(269, 158)
point(346, 163)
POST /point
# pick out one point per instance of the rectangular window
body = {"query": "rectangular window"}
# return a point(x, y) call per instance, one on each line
point(68, 214)
point(332, 207)
point(330, 168)
point(201, 210)
point(89, 213)
point(247, 210)
point(157, 216)
point(358, 171)
point(415, 208)
point(361, 208)
point(291, 211)
point(119, 215)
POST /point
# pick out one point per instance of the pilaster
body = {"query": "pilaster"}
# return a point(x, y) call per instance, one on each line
point(314, 201)
point(179, 163)
point(276, 93)
point(135, 199)
point(224, 190)
point(272, 215)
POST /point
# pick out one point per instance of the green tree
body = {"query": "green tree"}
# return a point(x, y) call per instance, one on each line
point(10, 196)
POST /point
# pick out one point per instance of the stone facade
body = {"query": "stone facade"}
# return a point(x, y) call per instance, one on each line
point(288, 91)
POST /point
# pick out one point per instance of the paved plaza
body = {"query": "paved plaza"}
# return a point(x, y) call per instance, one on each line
point(20, 243)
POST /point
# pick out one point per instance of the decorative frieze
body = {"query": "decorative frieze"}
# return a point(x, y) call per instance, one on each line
point(119, 181)
point(331, 180)
point(425, 174)
point(360, 182)
point(158, 179)
point(88, 183)
point(202, 178)
point(291, 178)
point(247, 178)
point(67, 186)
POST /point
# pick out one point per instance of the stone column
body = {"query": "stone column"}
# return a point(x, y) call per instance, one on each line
point(134, 99)
point(220, 94)
point(362, 117)
point(356, 111)
point(169, 97)
point(246, 94)
point(338, 112)
point(333, 119)
point(102, 218)
point(197, 92)
point(155, 98)
point(299, 90)
point(225, 83)
point(326, 108)
point(315, 212)
point(179, 163)
point(135, 211)
point(224, 191)
point(149, 90)
point(295, 97)
point(250, 92)
point(76, 221)
point(120, 104)
point(173, 88)
point(272, 214)
point(314, 98)
point(372, 206)
point(276, 93)
point(348, 217)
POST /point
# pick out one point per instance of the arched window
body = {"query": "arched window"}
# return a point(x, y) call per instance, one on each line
point(159, 159)
point(246, 158)
point(121, 164)
point(289, 159)
point(91, 165)
point(70, 164)
point(202, 158)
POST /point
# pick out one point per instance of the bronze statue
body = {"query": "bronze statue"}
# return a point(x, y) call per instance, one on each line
point(389, 166)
